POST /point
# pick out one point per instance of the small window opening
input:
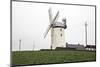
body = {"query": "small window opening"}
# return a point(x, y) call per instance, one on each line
point(60, 34)
point(60, 29)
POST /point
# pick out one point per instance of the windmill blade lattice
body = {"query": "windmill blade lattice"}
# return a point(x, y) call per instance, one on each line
point(51, 24)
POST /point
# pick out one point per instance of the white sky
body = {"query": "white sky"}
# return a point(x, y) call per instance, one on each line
point(30, 20)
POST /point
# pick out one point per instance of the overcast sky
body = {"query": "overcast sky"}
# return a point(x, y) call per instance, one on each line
point(30, 21)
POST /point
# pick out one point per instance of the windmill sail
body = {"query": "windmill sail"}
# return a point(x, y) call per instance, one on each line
point(50, 14)
point(47, 30)
point(51, 24)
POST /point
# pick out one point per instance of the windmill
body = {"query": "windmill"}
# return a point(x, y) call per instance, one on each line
point(57, 30)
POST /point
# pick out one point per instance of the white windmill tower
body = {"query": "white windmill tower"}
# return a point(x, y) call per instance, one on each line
point(57, 31)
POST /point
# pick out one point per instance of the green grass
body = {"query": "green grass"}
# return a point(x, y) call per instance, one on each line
point(48, 57)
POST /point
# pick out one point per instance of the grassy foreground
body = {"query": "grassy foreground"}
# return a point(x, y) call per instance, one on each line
point(48, 57)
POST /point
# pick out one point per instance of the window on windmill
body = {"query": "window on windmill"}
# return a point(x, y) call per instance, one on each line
point(61, 35)
point(60, 29)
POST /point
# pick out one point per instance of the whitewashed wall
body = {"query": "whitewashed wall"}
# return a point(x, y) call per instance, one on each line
point(58, 40)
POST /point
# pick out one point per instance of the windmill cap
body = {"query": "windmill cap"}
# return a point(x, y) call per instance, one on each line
point(64, 19)
point(58, 24)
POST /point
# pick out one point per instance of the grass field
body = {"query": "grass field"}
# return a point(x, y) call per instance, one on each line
point(48, 57)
